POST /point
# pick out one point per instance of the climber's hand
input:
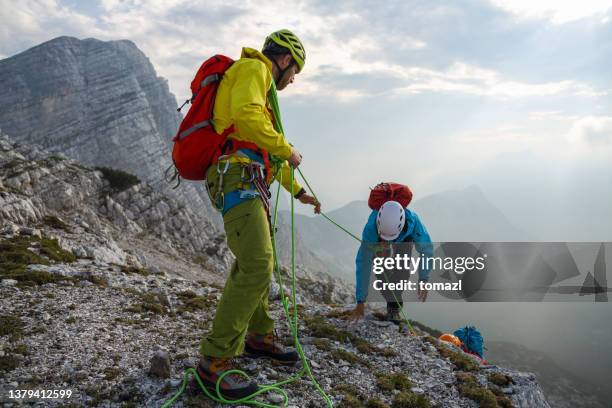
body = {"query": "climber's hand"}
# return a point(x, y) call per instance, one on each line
point(308, 199)
point(422, 294)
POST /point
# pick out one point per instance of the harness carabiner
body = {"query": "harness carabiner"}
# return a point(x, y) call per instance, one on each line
point(219, 198)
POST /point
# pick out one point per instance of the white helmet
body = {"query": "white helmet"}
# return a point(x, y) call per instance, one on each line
point(390, 220)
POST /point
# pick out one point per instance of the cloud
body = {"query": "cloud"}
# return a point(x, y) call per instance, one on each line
point(558, 12)
point(28, 22)
point(353, 51)
point(595, 131)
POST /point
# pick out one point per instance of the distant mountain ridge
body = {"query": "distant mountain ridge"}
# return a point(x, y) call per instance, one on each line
point(99, 102)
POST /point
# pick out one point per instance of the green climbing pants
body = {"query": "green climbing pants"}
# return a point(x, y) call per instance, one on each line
point(244, 304)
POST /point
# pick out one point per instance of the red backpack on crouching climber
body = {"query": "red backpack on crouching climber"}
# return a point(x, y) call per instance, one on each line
point(384, 192)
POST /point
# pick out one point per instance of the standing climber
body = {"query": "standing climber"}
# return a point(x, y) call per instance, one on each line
point(238, 185)
point(392, 223)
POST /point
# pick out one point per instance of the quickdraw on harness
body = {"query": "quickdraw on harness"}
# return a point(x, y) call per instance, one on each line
point(254, 173)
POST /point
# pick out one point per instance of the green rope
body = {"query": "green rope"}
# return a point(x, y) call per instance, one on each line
point(292, 320)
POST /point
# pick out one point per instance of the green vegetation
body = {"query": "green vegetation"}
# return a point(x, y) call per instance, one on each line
point(148, 302)
point(376, 403)
point(486, 398)
point(339, 314)
point(119, 180)
point(352, 398)
point(410, 400)
point(21, 349)
point(352, 358)
point(110, 373)
point(54, 222)
point(71, 320)
point(393, 381)
point(134, 270)
point(12, 326)
point(500, 379)
point(51, 249)
point(320, 328)
point(322, 344)
point(15, 256)
point(192, 302)
point(8, 362)
point(429, 330)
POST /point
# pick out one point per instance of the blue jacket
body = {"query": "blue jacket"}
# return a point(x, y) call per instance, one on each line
point(413, 231)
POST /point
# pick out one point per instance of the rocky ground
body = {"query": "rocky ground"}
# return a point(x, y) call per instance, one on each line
point(107, 287)
point(93, 328)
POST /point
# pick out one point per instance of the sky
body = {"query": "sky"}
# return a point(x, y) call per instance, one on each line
point(512, 96)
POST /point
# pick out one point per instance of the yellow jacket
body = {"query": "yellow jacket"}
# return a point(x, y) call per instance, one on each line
point(242, 100)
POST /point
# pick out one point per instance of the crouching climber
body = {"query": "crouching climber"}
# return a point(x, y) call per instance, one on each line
point(238, 185)
point(390, 222)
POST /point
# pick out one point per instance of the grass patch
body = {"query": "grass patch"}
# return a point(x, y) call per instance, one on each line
point(148, 302)
point(134, 270)
point(110, 373)
point(352, 358)
point(51, 249)
point(500, 379)
point(71, 320)
point(410, 400)
point(322, 344)
point(320, 328)
point(388, 352)
point(375, 403)
point(393, 381)
point(55, 222)
point(339, 314)
point(459, 359)
point(15, 257)
point(192, 302)
point(353, 398)
point(486, 398)
point(8, 362)
point(429, 330)
point(119, 180)
point(12, 326)
point(21, 349)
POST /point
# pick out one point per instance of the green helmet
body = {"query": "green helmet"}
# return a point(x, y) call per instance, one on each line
point(287, 39)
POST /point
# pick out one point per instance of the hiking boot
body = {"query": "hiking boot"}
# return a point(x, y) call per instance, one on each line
point(393, 312)
point(233, 386)
point(267, 346)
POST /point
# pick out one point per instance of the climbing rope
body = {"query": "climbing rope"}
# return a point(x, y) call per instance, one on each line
point(292, 319)
point(291, 315)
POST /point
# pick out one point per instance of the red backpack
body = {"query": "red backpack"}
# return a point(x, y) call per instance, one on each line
point(384, 192)
point(197, 145)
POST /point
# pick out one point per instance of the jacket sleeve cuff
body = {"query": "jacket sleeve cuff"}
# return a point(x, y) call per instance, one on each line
point(299, 193)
